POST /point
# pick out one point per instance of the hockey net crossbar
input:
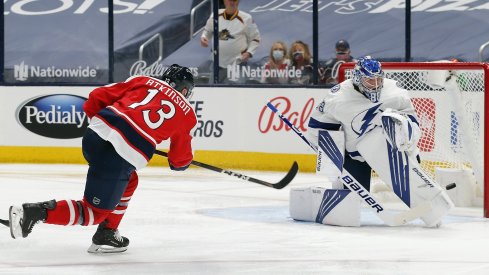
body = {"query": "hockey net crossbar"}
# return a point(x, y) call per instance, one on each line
point(450, 101)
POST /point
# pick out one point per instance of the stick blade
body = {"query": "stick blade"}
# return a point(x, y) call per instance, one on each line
point(5, 222)
point(288, 178)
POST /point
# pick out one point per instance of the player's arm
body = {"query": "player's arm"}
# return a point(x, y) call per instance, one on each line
point(104, 96)
point(253, 36)
point(321, 119)
point(208, 32)
point(180, 154)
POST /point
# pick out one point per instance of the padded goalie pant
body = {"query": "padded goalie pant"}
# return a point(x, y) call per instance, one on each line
point(110, 184)
point(361, 171)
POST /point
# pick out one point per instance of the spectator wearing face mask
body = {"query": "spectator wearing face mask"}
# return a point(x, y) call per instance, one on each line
point(275, 70)
point(300, 57)
point(328, 71)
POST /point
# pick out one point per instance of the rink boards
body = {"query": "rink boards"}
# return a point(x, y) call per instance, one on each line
point(44, 124)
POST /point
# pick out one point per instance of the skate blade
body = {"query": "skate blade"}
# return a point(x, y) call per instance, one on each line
point(16, 213)
point(103, 249)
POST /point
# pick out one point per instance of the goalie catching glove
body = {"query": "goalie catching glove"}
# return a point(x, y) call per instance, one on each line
point(400, 131)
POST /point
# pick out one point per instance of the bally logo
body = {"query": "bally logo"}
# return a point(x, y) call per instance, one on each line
point(55, 116)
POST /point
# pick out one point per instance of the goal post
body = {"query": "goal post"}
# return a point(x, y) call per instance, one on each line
point(449, 98)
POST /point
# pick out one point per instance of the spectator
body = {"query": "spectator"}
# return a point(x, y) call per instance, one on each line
point(300, 57)
point(238, 34)
point(275, 70)
point(328, 71)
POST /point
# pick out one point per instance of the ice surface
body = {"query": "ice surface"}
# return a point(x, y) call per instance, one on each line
point(202, 222)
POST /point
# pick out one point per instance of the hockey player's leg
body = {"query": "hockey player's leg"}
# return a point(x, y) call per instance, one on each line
point(107, 238)
point(114, 218)
point(327, 206)
point(361, 171)
point(23, 218)
point(107, 180)
point(403, 174)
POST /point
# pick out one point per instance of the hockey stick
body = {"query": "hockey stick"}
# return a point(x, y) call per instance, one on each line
point(279, 185)
point(355, 187)
point(5, 222)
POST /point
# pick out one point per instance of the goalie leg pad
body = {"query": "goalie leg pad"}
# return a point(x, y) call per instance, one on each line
point(326, 206)
point(330, 154)
point(403, 174)
point(440, 205)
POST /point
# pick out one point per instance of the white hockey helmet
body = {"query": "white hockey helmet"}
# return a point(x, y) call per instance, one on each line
point(369, 77)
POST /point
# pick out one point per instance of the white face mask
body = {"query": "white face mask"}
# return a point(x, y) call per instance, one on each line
point(278, 54)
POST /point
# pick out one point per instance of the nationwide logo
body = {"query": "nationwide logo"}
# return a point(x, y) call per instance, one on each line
point(23, 71)
point(235, 72)
point(55, 116)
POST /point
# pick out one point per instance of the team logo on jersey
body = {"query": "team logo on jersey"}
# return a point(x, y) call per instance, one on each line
point(225, 35)
point(362, 123)
point(55, 116)
point(335, 89)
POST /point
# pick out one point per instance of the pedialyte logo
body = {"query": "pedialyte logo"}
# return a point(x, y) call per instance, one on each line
point(58, 116)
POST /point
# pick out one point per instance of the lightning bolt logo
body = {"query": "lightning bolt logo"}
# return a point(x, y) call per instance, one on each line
point(370, 114)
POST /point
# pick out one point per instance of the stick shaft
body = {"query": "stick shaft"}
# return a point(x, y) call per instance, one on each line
point(279, 185)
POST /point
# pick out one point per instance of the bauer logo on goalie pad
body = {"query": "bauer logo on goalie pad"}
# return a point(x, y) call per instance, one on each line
point(426, 180)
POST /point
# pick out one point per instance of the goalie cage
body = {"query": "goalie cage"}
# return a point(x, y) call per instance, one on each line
point(449, 98)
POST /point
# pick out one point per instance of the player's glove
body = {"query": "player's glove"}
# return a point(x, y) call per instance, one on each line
point(402, 133)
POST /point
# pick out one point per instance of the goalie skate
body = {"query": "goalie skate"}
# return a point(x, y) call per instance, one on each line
point(107, 240)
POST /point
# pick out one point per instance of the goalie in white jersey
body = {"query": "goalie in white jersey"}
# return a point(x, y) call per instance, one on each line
point(356, 106)
point(380, 131)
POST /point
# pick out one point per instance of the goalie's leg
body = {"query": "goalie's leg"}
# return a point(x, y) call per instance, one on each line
point(403, 174)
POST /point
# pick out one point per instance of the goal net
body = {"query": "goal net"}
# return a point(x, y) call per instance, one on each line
point(449, 98)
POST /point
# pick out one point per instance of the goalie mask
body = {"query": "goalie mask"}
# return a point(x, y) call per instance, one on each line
point(179, 78)
point(369, 77)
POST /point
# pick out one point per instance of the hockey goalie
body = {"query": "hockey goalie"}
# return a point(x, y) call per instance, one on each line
point(364, 123)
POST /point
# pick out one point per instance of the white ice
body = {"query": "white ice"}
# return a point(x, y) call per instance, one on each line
point(202, 222)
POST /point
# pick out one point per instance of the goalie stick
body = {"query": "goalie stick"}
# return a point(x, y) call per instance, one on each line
point(279, 185)
point(348, 180)
point(5, 222)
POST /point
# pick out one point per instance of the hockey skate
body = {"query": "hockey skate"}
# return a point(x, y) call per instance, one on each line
point(23, 218)
point(107, 240)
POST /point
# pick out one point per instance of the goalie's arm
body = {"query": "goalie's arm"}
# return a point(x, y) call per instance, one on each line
point(320, 119)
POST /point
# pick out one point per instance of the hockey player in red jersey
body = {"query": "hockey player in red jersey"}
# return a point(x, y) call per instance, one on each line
point(128, 120)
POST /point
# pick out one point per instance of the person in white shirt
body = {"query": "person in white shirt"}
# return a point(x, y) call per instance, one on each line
point(238, 37)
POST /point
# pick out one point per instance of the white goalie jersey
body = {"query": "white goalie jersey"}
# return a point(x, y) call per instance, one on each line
point(348, 109)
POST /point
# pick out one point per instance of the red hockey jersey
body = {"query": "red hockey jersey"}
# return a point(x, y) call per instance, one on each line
point(140, 113)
